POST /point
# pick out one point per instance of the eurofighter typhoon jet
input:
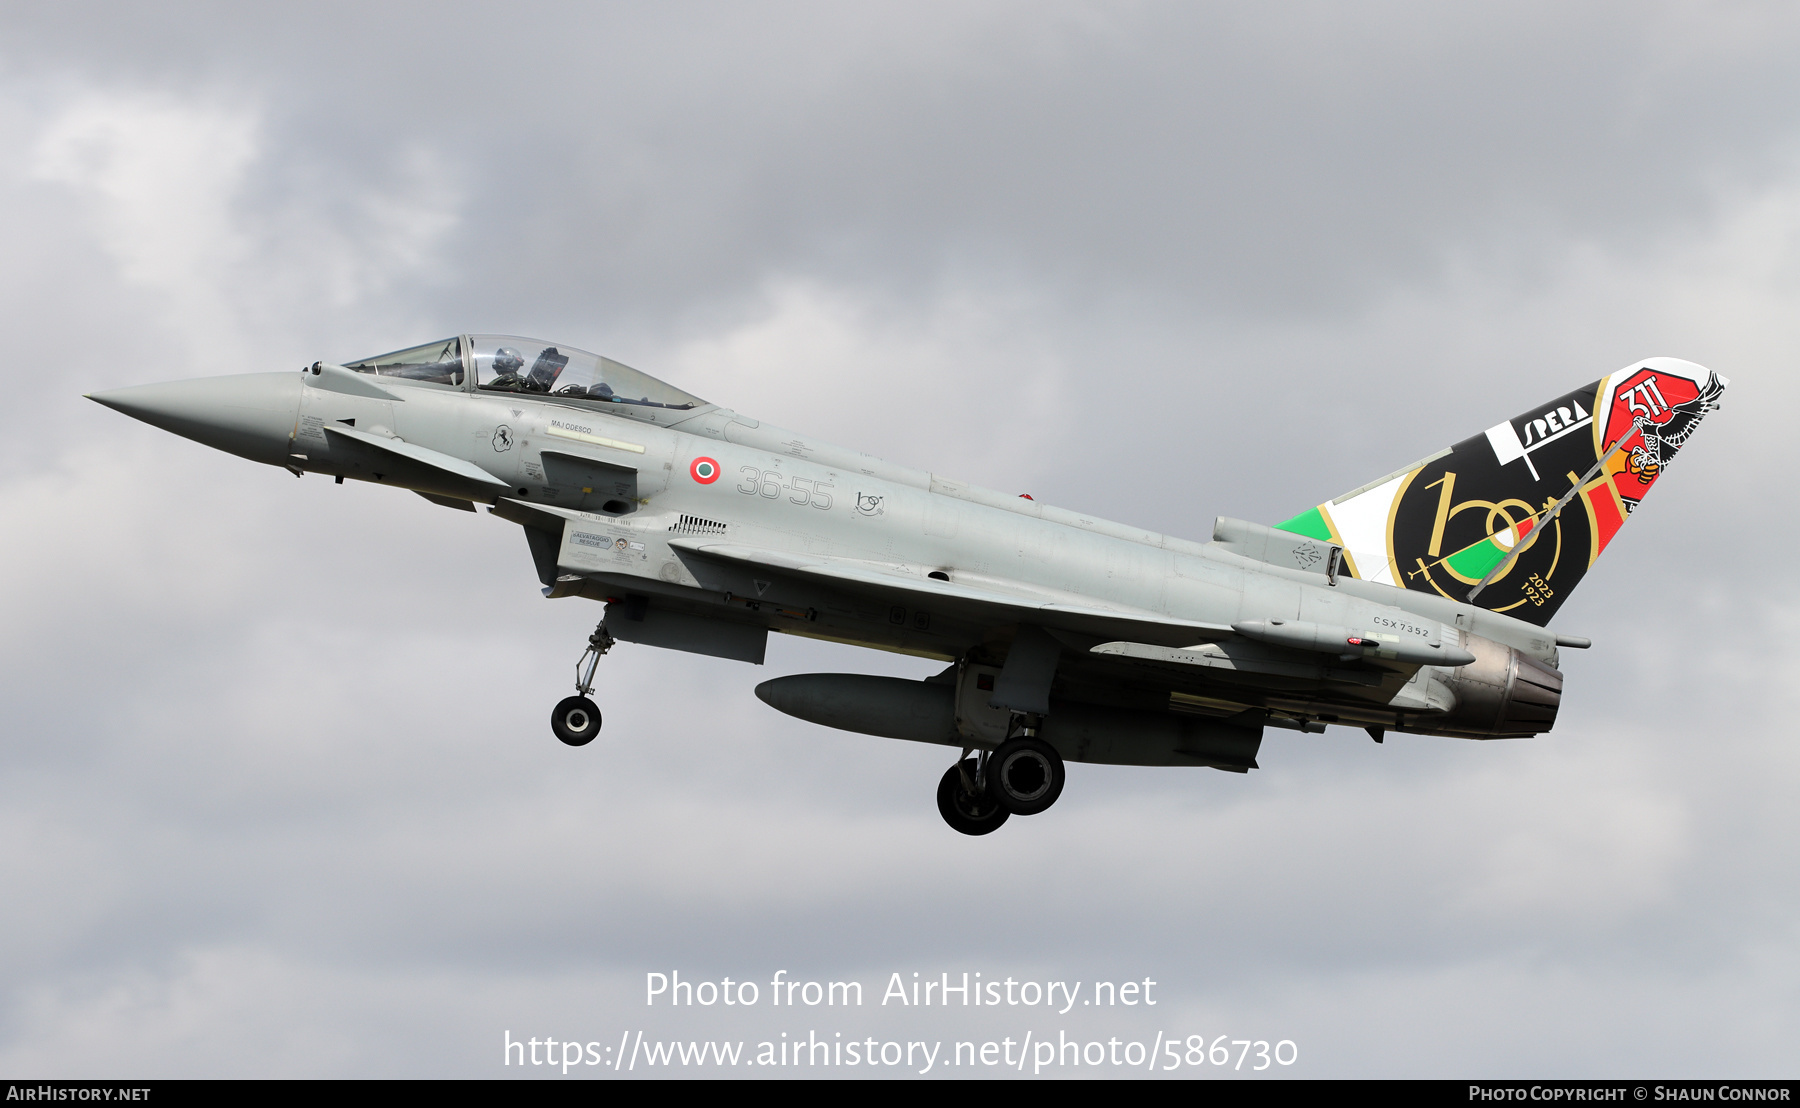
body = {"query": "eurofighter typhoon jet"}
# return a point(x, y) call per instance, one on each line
point(1417, 603)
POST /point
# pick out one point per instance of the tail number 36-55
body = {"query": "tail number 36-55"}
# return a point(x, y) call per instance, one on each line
point(771, 484)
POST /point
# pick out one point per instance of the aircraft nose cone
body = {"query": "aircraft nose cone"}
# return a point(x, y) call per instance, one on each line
point(251, 415)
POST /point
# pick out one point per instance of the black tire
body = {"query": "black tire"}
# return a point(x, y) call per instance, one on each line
point(970, 813)
point(576, 720)
point(1025, 775)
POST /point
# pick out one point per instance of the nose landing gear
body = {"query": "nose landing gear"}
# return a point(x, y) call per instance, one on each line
point(576, 719)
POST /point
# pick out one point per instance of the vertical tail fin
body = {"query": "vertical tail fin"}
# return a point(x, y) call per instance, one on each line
point(1512, 518)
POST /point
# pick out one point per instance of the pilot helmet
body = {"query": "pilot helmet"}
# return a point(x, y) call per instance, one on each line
point(507, 360)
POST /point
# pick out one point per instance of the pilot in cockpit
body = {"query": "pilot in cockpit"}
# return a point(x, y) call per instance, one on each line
point(507, 364)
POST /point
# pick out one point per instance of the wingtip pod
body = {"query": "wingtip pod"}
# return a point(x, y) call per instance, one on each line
point(1512, 518)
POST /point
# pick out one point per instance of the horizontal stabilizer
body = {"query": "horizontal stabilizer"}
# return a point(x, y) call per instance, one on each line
point(456, 502)
point(538, 517)
point(398, 462)
point(468, 471)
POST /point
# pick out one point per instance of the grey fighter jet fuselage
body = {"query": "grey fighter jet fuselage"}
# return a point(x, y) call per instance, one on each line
point(1068, 638)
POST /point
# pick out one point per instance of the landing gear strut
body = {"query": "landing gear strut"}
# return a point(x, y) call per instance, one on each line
point(1021, 777)
point(576, 719)
point(965, 796)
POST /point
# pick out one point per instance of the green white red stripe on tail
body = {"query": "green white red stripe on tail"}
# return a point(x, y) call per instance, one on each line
point(1512, 518)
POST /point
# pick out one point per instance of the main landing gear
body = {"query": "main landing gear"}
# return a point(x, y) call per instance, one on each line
point(576, 719)
point(1027, 775)
point(966, 797)
point(1021, 777)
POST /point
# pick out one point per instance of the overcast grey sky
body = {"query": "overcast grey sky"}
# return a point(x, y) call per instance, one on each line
point(277, 796)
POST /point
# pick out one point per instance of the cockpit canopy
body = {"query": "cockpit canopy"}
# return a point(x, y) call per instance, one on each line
point(512, 363)
point(439, 362)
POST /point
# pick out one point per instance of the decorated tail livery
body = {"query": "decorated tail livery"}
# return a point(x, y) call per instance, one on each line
point(1511, 519)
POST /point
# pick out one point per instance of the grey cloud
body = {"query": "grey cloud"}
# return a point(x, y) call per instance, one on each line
point(1289, 163)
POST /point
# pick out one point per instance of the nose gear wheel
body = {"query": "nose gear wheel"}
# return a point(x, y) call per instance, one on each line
point(576, 720)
